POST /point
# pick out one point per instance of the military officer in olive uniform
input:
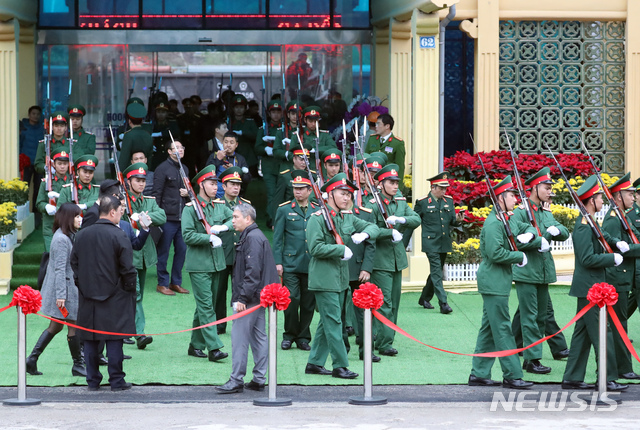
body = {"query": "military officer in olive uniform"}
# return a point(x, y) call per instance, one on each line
point(231, 182)
point(623, 276)
point(385, 141)
point(87, 192)
point(85, 142)
point(494, 284)
point(329, 274)
point(590, 263)
point(247, 129)
point(291, 255)
point(45, 198)
point(308, 135)
point(438, 215)
point(59, 122)
point(136, 139)
point(281, 152)
point(390, 257)
point(633, 215)
point(284, 187)
point(204, 262)
point(136, 176)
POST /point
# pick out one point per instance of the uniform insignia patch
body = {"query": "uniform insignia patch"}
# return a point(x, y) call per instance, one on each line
point(285, 203)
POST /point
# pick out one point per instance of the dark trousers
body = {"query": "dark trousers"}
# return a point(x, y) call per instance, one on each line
point(92, 353)
point(434, 281)
point(172, 233)
point(358, 314)
point(299, 314)
point(634, 299)
point(221, 297)
point(556, 343)
point(623, 356)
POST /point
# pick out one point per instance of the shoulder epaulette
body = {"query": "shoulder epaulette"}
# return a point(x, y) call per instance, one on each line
point(584, 220)
point(422, 198)
point(372, 201)
point(285, 203)
point(67, 185)
point(346, 212)
point(129, 130)
point(546, 209)
point(324, 131)
point(313, 171)
point(284, 171)
point(88, 132)
point(613, 213)
point(400, 198)
point(362, 208)
point(148, 197)
point(448, 197)
point(245, 200)
point(317, 213)
point(189, 204)
point(313, 205)
point(218, 201)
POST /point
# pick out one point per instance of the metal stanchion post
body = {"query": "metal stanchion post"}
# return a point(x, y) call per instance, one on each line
point(368, 398)
point(604, 398)
point(272, 400)
point(22, 399)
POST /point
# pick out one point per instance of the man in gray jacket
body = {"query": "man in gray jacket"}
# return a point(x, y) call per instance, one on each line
point(254, 268)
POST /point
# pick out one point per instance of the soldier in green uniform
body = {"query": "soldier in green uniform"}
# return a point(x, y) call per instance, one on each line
point(390, 257)
point(231, 180)
point(163, 128)
point(385, 141)
point(247, 129)
point(284, 187)
point(136, 139)
point(590, 264)
point(122, 129)
point(270, 164)
point(329, 274)
point(59, 121)
point(331, 162)
point(308, 135)
point(633, 215)
point(291, 255)
point(204, 262)
point(85, 142)
point(494, 284)
point(623, 276)
point(374, 165)
point(136, 176)
point(43, 203)
point(438, 215)
point(87, 192)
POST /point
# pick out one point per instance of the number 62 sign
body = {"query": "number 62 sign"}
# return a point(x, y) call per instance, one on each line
point(427, 42)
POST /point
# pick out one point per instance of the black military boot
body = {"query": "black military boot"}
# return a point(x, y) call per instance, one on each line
point(78, 368)
point(41, 344)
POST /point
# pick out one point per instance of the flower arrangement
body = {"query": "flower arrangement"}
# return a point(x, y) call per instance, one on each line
point(15, 191)
point(466, 252)
point(8, 213)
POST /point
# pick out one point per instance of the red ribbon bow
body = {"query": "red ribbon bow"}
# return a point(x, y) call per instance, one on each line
point(276, 294)
point(602, 294)
point(368, 296)
point(28, 299)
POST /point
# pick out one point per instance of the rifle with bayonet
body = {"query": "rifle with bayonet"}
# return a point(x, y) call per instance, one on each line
point(284, 105)
point(345, 147)
point(356, 171)
point(265, 123)
point(318, 155)
point(72, 170)
point(119, 175)
point(48, 169)
point(229, 101)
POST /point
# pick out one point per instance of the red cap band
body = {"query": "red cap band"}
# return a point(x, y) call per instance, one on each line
point(340, 184)
point(140, 171)
point(234, 175)
point(385, 175)
point(503, 188)
point(620, 187)
point(208, 175)
point(88, 163)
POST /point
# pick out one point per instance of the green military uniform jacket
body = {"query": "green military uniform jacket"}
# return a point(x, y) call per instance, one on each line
point(438, 216)
point(85, 143)
point(633, 216)
point(290, 236)
point(327, 271)
point(393, 147)
point(590, 258)
point(280, 148)
point(364, 252)
point(40, 155)
point(389, 256)
point(147, 256)
point(230, 237)
point(43, 199)
point(146, 126)
point(247, 142)
point(87, 194)
point(540, 268)
point(494, 274)
point(309, 140)
point(621, 276)
point(135, 140)
point(270, 164)
point(201, 256)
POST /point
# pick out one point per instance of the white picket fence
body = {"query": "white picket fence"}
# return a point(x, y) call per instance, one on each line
point(460, 272)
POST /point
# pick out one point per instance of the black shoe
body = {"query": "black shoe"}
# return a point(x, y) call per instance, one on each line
point(534, 366)
point(576, 385)
point(445, 308)
point(343, 373)
point(221, 330)
point(230, 388)
point(350, 331)
point(41, 344)
point(630, 375)
point(303, 345)
point(78, 368)
point(425, 304)
point(253, 385)
point(313, 369)
point(196, 352)
point(96, 388)
point(123, 387)
point(518, 384)
point(390, 352)
point(143, 341)
point(128, 341)
point(561, 354)
point(217, 355)
point(374, 358)
point(102, 360)
point(614, 386)
point(285, 344)
point(126, 357)
point(474, 381)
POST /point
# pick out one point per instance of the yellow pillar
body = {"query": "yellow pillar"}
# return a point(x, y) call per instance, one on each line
point(27, 79)
point(400, 80)
point(381, 62)
point(632, 84)
point(486, 83)
point(9, 34)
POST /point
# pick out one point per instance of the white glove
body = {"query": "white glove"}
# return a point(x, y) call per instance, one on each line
point(82, 206)
point(524, 260)
point(313, 151)
point(51, 209)
point(216, 229)
point(245, 170)
point(156, 134)
point(544, 247)
point(135, 217)
point(53, 195)
point(216, 242)
point(358, 238)
point(397, 236)
point(238, 132)
point(393, 220)
point(286, 155)
point(553, 230)
point(268, 150)
point(618, 258)
point(121, 136)
point(525, 237)
point(286, 140)
point(325, 196)
point(268, 138)
point(347, 254)
point(622, 246)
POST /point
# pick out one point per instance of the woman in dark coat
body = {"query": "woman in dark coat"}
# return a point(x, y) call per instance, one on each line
point(59, 292)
